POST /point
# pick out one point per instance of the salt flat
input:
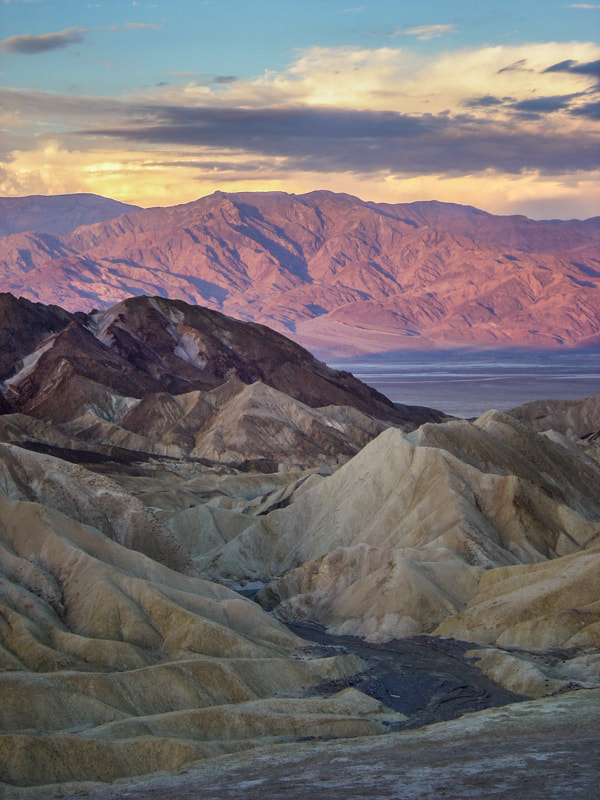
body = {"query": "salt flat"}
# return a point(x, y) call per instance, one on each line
point(466, 382)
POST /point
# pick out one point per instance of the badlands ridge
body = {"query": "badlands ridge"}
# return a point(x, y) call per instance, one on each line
point(157, 456)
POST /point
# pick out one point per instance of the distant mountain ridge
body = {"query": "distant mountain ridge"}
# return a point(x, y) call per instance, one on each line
point(57, 215)
point(339, 275)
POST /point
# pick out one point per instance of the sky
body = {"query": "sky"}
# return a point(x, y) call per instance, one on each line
point(491, 103)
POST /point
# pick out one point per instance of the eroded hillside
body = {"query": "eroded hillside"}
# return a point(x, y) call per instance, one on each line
point(156, 456)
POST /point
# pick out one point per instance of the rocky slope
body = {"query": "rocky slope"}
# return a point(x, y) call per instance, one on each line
point(145, 346)
point(575, 418)
point(484, 531)
point(400, 537)
point(113, 665)
point(340, 275)
point(22, 326)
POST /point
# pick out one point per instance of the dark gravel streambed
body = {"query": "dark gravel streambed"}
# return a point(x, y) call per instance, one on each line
point(424, 677)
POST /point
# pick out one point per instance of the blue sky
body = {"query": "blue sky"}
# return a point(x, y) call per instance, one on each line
point(491, 103)
point(242, 39)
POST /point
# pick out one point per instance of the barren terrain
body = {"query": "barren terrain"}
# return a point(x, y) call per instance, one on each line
point(185, 497)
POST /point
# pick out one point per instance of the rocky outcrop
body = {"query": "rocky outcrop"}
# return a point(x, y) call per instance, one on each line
point(544, 621)
point(148, 345)
point(23, 325)
point(579, 420)
point(574, 418)
point(89, 499)
point(159, 378)
point(548, 605)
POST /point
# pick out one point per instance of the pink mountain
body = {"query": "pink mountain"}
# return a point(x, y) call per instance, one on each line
point(339, 275)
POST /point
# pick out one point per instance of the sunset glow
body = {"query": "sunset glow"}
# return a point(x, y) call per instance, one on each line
point(160, 103)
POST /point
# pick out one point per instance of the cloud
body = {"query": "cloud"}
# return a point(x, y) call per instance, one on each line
point(405, 114)
point(426, 32)
point(37, 110)
point(518, 66)
point(486, 101)
point(28, 44)
point(544, 105)
point(582, 5)
point(575, 68)
point(341, 117)
point(397, 79)
point(362, 141)
point(589, 110)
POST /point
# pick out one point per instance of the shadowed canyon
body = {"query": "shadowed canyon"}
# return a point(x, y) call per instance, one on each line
point(227, 569)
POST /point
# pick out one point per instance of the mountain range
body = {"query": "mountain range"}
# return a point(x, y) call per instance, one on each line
point(336, 274)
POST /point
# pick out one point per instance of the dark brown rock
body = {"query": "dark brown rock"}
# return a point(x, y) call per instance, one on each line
point(23, 325)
